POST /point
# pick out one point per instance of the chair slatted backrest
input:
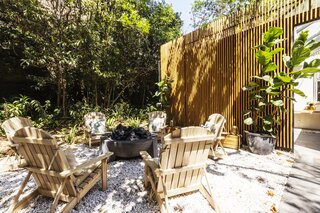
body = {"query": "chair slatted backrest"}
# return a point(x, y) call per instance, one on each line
point(219, 122)
point(93, 116)
point(42, 152)
point(157, 120)
point(11, 125)
point(184, 159)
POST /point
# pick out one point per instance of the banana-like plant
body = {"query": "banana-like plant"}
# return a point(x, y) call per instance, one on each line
point(272, 87)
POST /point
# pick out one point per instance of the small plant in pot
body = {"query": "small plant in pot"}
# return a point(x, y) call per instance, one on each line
point(164, 90)
point(269, 90)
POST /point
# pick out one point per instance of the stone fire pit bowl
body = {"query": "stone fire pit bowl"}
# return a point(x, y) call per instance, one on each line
point(129, 149)
point(127, 142)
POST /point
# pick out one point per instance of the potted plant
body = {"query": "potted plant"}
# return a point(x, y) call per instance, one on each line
point(270, 89)
point(158, 119)
point(311, 105)
point(164, 89)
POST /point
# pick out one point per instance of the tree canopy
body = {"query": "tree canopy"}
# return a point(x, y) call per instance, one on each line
point(205, 11)
point(95, 51)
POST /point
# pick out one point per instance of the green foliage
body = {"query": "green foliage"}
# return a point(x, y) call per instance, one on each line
point(164, 90)
point(95, 51)
point(70, 134)
point(205, 11)
point(121, 110)
point(269, 89)
point(111, 123)
point(134, 122)
point(26, 107)
point(79, 109)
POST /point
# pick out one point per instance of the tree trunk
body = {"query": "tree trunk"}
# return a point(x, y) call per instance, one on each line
point(96, 92)
point(143, 96)
point(64, 94)
point(59, 92)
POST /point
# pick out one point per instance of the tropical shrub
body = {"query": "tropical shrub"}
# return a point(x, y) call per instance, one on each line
point(24, 106)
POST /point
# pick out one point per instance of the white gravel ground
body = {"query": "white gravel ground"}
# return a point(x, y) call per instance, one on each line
point(241, 182)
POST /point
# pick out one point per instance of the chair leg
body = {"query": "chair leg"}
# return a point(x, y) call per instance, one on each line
point(22, 203)
point(58, 194)
point(104, 167)
point(16, 198)
point(206, 192)
point(145, 177)
point(224, 151)
point(70, 205)
point(166, 203)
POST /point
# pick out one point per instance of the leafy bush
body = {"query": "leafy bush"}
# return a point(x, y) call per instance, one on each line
point(121, 110)
point(70, 134)
point(111, 123)
point(133, 122)
point(78, 111)
point(27, 107)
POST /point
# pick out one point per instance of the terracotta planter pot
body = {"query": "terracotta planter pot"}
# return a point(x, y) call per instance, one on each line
point(260, 144)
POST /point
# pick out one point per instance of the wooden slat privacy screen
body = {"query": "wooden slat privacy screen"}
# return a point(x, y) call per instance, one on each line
point(210, 66)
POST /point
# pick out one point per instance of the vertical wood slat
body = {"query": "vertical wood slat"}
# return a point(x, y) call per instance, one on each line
point(211, 66)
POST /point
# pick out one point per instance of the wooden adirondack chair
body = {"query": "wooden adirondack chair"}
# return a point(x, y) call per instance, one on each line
point(182, 166)
point(10, 126)
point(157, 120)
point(93, 136)
point(216, 122)
point(52, 172)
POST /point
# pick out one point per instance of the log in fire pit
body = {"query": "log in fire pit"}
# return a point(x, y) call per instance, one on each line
point(127, 142)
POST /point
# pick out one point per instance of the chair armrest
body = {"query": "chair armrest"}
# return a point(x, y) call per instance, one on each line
point(13, 145)
point(149, 161)
point(221, 138)
point(86, 164)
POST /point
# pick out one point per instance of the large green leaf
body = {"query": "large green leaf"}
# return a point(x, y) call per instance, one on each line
point(314, 46)
point(277, 41)
point(276, 51)
point(265, 77)
point(308, 70)
point(261, 103)
point(263, 57)
point(248, 121)
point(284, 77)
point(268, 120)
point(271, 35)
point(270, 91)
point(314, 63)
point(268, 128)
point(253, 84)
point(299, 55)
point(250, 86)
point(301, 40)
point(287, 61)
point(299, 92)
point(270, 67)
point(277, 102)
